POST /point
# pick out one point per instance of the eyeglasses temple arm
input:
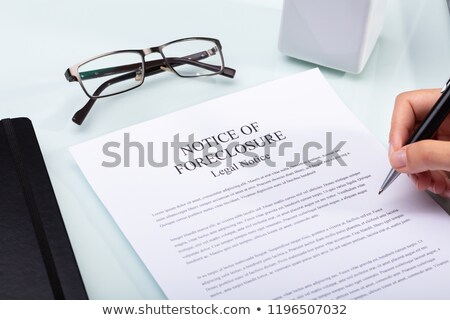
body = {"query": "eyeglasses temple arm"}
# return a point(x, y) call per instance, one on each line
point(81, 114)
point(226, 72)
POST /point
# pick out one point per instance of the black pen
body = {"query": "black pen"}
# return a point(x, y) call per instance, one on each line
point(427, 128)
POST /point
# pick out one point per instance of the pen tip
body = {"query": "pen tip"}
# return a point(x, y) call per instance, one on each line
point(379, 192)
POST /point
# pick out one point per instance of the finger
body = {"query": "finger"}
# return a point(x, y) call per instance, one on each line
point(424, 181)
point(413, 178)
point(409, 108)
point(434, 181)
point(422, 156)
point(439, 182)
point(446, 192)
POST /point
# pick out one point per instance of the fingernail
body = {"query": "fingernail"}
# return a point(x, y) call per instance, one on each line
point(398, 158)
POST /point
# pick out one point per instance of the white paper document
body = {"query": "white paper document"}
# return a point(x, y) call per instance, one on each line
point(269, 193)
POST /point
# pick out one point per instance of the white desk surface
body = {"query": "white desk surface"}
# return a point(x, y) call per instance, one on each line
point(41, 39)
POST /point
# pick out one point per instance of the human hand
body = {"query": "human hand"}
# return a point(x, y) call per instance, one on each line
point(426, 162)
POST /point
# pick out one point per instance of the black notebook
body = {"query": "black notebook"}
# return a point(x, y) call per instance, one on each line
point(36, 258)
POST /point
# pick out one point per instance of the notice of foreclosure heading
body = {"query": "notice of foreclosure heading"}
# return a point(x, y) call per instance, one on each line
point(269, 193)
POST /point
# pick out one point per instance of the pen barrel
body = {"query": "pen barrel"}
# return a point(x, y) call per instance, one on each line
point(434, 119)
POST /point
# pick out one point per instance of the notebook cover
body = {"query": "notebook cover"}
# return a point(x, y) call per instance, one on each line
point(36, 257)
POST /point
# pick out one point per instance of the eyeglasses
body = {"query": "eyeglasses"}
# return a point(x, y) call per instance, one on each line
point(121, 71)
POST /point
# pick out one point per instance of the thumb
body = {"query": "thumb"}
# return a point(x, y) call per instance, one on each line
point(422, 156)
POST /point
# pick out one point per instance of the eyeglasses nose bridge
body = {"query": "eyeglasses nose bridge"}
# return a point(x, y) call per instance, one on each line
point(147, 51)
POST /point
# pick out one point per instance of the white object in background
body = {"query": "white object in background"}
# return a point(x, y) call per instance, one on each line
point(339, 34)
